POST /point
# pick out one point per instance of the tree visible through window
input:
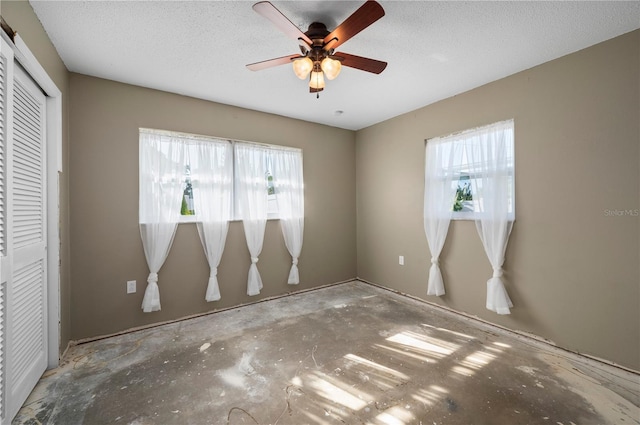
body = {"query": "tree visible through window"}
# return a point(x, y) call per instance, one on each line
point(272, 199)
point(464, 197)
point(187, 194)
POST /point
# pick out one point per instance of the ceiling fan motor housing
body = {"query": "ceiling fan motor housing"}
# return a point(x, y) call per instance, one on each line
point(317, 32)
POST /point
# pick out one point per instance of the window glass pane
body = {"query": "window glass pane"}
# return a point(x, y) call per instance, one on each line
point(187, 194)
point(464, 197)
point(272, 197)
point(467, 184)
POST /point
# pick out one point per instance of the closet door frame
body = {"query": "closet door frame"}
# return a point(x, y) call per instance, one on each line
point(53, 128)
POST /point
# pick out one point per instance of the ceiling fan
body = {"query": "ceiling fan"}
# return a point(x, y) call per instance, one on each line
point(318, 58)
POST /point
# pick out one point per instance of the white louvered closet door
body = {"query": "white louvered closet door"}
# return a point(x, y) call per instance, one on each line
point(26, 242)
point(6, 59)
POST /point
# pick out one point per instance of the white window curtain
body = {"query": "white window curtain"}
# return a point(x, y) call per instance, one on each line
point(439, 196)
point(251, 198)
point(212, 181)
point(161, 178)
point(289, 187)
point(490, 150)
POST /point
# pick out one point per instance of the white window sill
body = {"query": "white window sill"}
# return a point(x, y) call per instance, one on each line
point(194, 219)
point(473, 216)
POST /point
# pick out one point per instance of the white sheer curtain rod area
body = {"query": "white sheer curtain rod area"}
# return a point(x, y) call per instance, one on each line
point(192, 136)
point(469, 130)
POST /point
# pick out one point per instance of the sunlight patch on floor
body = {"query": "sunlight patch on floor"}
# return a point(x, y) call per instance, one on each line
point(423, 344)
point(376, 366)
point(407, 353)
point(367, 372)
point(334, 393)
point(430, 396)
point(478, 359)
point(395, 415)
point(461, 335)
point(474, 362)
point(462, 371)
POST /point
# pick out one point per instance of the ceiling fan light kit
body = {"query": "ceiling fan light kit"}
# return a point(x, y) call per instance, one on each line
point(316, 81)
point(302, 67)
point(331, 67)
point(319, 59)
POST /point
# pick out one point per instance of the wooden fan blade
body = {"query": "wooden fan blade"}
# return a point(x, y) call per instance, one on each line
point(272, 62)
point(366, 15)
point(358, 62)
point(283, 23)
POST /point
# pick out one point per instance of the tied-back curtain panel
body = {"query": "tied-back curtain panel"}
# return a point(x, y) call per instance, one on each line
point(439, 196)
point(251, 197)
point(490, 150)
point(161, 178)
point(289, 188)
point(211, 165)
point(484, 157)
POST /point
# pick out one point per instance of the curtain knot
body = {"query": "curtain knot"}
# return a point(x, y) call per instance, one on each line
point(254, 260)
point(434, 260)
point(497, 272)
point(295, 261)
point(213, 272)
point(153, 278)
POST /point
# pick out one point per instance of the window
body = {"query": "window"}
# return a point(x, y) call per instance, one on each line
point(188, 178)
point(193, 171)
point(479, 162)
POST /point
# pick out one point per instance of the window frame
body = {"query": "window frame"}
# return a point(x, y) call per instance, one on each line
point(271, 214)
point(463, 169)
point(235, 216)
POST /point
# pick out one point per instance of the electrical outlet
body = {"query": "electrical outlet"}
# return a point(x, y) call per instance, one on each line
point(401, 260)
point(131, 287)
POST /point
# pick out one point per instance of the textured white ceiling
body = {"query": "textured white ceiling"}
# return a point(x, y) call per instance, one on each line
point(434, 49)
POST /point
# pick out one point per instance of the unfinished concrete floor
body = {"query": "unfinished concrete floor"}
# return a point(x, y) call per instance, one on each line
point(346, 354)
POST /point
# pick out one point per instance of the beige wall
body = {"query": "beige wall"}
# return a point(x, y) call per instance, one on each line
point(20, 16)
point(571, 270)
point(106, 249)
